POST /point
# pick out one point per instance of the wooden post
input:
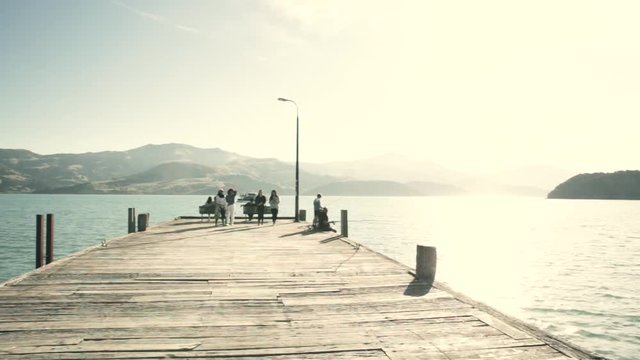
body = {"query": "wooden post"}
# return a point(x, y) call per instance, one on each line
point(303, 215)
point(50, 238)
point(143, 221)
point(426, 259)
point(39, 241)
point(344, 223)
point(132, 220)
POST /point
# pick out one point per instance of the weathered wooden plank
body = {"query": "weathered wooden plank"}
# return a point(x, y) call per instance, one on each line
point(511, 353)
point(410, 351)
point(165, 345)
point(375, 354)
point(296, 351)
point(501, 325)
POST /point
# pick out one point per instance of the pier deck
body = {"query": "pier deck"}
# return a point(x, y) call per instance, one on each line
point(186, 289)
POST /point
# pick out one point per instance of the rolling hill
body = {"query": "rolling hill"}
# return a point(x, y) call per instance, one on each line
point(620, 185)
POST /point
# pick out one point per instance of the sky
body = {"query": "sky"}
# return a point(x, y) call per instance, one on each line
point(471, 85)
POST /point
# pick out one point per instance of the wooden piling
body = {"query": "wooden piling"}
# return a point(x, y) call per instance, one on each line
point(132, 220)
point(426, 259)
point(143, 221)
point(39, 240)
point(50, 237)
point(344, 223)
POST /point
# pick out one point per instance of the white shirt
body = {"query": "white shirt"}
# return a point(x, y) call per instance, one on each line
point(221, 202)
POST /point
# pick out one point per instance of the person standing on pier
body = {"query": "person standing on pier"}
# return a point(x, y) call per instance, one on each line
point(274, 200)
point(231, 205)
point(221, 203)
point(317, 207)
point(260, 200)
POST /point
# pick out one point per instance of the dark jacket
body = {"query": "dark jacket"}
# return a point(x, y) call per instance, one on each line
point(231, 197)
point(260, 200)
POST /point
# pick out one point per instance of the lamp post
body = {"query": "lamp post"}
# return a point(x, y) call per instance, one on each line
point(296, 215)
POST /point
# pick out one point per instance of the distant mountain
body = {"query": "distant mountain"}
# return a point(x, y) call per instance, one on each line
point(172, 171)
point(391, 167)
point(279, 173)
point(176, 177)
point(157, 154)
point(250, 184)
point(525, 181)
point(25, 171)
point(185, 169)
point(168, 168)
point(84, 188)
point(616, 186)
point(13, 181)
point(365, 188)
point(384, 188)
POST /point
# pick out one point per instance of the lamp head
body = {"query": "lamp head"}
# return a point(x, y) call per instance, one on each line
point(283, 99)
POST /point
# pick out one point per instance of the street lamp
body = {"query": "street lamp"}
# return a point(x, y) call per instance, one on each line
point(296, 215)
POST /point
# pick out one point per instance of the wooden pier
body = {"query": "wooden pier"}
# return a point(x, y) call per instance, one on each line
point(186, 289)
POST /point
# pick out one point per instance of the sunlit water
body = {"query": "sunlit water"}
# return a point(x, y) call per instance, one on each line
point(569, 267)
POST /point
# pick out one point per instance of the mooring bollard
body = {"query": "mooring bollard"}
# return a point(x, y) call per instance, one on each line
point(344, 223)
point(302, 215)
point(143, 221)
point(39, 241)
point(50, 238)
point(426, 259)
point(132, 220)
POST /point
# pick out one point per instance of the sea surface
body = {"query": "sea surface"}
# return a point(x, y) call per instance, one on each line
point(569, 267)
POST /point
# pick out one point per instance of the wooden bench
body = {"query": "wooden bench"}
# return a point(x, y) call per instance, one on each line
point(208, 209)
point(249, 209)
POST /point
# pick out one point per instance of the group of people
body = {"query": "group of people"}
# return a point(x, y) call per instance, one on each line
point(260, 202)
point(225, 206)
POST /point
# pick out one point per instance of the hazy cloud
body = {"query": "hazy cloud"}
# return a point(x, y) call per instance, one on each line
point(187, 29)
point(148, 15)
point(155, 17)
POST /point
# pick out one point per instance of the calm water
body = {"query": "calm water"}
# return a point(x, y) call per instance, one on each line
point(568, 267)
